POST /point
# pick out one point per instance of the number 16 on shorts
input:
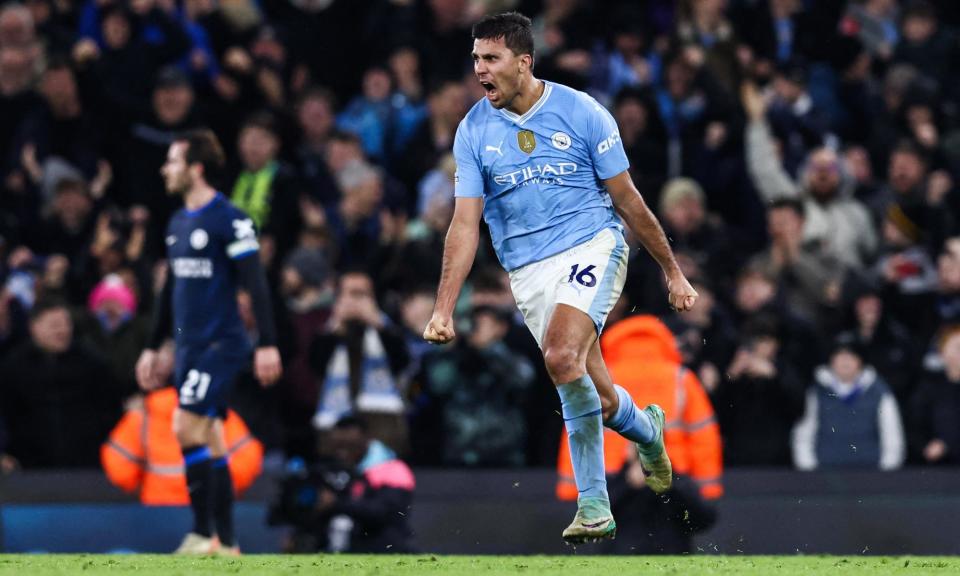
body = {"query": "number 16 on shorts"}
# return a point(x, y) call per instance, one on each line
point(583, 277)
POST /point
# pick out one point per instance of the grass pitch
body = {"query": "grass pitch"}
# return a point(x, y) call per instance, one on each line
point(430, 565)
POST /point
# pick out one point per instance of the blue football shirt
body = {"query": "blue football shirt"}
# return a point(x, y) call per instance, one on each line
point(540, 174)
point(200, 246)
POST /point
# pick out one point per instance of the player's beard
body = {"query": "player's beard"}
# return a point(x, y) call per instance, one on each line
point(180, 186)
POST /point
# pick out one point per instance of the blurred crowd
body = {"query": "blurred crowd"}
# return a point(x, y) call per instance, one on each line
point(802, 155)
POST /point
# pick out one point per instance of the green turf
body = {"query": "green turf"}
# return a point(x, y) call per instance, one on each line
point(92, 564)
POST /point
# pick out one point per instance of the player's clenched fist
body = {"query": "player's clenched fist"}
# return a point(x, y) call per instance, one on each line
point(681, 294)
point(439, 330)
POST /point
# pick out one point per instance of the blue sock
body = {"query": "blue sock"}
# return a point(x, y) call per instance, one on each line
point(581, 414)
point(631, 422)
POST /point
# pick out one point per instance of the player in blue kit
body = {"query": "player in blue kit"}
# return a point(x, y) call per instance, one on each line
point(544, 165)
point(212, 250)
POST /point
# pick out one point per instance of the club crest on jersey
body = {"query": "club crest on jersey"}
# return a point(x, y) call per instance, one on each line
point(560, 140)
point(199, 239)
point(526, 141)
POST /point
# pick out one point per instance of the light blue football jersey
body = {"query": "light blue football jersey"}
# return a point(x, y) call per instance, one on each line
point(540, 174)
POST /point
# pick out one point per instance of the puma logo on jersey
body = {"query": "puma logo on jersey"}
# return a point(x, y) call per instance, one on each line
point(496, 148)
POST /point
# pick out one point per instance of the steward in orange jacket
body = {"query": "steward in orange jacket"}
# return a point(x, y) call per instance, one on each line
point(641, 354)
point(142, 452)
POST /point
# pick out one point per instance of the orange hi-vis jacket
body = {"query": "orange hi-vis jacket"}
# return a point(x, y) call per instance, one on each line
point(143, 452)
point(641, 354)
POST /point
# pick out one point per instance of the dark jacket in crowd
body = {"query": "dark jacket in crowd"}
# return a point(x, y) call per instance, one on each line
point(756, 415)
point(935, 415)
point(59, 409)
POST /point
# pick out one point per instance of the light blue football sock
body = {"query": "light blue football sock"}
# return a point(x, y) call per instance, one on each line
point(631, 422)
point(582, 416)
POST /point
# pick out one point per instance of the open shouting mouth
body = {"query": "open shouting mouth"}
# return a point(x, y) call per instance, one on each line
point(490, 89)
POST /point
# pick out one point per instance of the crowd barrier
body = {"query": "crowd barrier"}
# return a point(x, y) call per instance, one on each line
point(515, 512)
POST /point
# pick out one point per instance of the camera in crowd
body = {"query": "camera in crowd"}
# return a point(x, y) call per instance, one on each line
point(300, 488)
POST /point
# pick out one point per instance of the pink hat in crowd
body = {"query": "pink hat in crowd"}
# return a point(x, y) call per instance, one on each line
point(112, 288)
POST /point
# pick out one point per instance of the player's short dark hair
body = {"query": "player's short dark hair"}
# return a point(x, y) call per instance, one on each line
point(513, 27)
point(203, 148)
point(794, 204)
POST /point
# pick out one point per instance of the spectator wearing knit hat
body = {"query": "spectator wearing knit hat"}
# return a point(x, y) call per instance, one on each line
point(113, 328)
point(906, 270)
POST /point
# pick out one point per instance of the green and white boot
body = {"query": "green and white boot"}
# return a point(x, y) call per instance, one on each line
point(593, 522)
point(653, 456)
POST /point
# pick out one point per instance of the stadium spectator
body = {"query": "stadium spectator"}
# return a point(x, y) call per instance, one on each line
point(887, 344)
point(758, 399)
point(266, 188)
point(172, 109)
point(935, 408)
point(357, 222)
point(433, 138)
point(708, 39)
point(142, 454)
point(69, 224)
point(874, 22)
point(62, 130)
point(59, 399)
point(851, 419)
point(839, 225)
point(422, 239)
point(315, 118)
point(472, 397)
point(369, 513)
point(806, 279)
point(905, 267)
point(696, 232)
point(383, 118)
point(926, 46)
point(358, 360)
point(642, 133)
point(113, 328)
point(794, 116)
point(307, 288)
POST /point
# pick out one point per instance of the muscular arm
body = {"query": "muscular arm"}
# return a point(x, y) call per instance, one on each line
point(636, 214)
point(459, 251)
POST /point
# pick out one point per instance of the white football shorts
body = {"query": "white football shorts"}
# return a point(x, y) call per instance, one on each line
point(589, 277)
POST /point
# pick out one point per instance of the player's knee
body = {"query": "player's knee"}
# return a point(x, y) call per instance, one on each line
point(563, 364)
point(189, 429)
